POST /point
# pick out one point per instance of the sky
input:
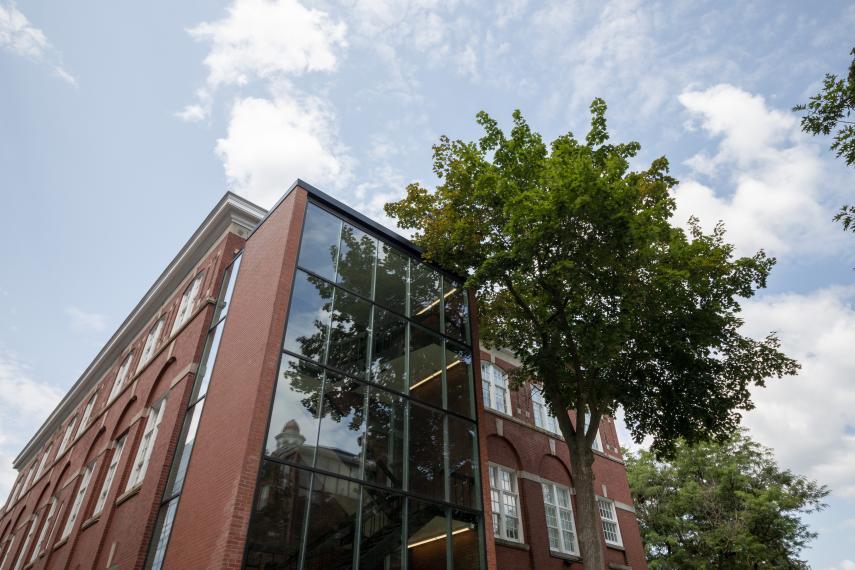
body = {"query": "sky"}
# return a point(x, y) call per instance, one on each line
point(122, 124)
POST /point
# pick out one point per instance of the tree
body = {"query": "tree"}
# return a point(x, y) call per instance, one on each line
point(829, 111)
point(580, 273)
point(721, 505)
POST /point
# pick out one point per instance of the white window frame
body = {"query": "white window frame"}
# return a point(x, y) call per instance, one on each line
point(78, 499)
point(30, 476)
point(66, 438)
point(111, 473)
point(87, 412)
point(543, 418)
point(121, 376)
point(140, 465)
point(597, 444)
point(561, 521)
point(608, 516)
point(151, 343)
point(43, 535)
point(188, 301)
point(495, 379)
point(44, 461)
point(27, 539)
point(9, 548)
point(504, 492)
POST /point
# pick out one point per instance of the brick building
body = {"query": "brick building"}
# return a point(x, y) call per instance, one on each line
point(208, 434)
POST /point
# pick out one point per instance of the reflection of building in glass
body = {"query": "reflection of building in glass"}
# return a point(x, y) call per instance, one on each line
point(299, 390)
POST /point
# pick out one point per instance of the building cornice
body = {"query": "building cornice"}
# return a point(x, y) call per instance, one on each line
point(231, 212)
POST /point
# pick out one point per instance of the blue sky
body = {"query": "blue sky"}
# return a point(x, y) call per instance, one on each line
point(121, 125)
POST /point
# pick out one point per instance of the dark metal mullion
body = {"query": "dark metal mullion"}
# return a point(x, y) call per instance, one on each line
point(374, 384)
point(394, 312)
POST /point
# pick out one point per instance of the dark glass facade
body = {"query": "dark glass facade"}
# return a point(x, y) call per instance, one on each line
point(371, 455)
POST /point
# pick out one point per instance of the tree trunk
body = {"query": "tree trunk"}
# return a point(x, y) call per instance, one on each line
point(589, 526)
point(588, 513)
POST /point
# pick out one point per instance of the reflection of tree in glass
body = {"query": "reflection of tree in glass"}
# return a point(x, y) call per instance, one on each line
point(277, 523)
point(391, 283)
point(426, 448)
point(424, 295)
point(356, 261)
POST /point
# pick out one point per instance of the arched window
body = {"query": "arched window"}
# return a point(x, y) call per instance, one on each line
point(188, 302)
point(150, 343)
point(121, 376)
point(543, 418)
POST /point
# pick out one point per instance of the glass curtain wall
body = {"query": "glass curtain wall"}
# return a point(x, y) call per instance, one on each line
point(371, 456)
point(175, 483)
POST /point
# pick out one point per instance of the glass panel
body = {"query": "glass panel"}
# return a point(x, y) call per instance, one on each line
point(428, 536)
point(426, 452)
point(461, 461)
point(206, 366)
point(293, 430)
point(348, 346)
point(384, 455)
point(424, 295)
point(164, 523)
point(320, 242)
point(466, 550)
point(342, 426)
point(188, 437)
point(226, 292)
point(356, 260)
point(456, 311)
point(425, 366)
point(382, 529)
point(274, 537)
point(388, 349)
point(308, 319)
point(458, 367)
point(332, 523)
point(390, 289)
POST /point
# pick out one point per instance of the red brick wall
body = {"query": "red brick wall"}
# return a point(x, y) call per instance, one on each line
point(525, 448)
point(213, 513)
point(121, 529)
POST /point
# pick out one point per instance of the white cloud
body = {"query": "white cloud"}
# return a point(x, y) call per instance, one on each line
point(24, 404)
point(271, 142)
point(20, 37)
point(776, 174)
point(85, 322)
point(266, 40)
point(808, 419)
point(843, 565)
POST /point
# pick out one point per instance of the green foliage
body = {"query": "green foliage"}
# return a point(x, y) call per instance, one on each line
point(580, 272)
point(724, 505)
point(829, 112)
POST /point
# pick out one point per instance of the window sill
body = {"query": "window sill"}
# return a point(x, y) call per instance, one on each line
point(565, 556)
point(615, 546)
point(128, 494)
point(61, 543)
point(89, 522)
point(511, 543)
point(619, 566)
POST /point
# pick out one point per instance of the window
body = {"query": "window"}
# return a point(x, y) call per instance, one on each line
point(87, 412)
point(597, 445)
point(494, 383)
point(121, 376)
point(43, 535)
point(559, 519)
point(543, 418)
point(23, 554)
point(66, 438)
point(31, 476)
point(78, 500)
point(108, 478)
point(147, 444)
point(44, 461)
point(188, 301)
point(611, 529)
point(10, 546)
point(506, 504)
point(150, 343)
